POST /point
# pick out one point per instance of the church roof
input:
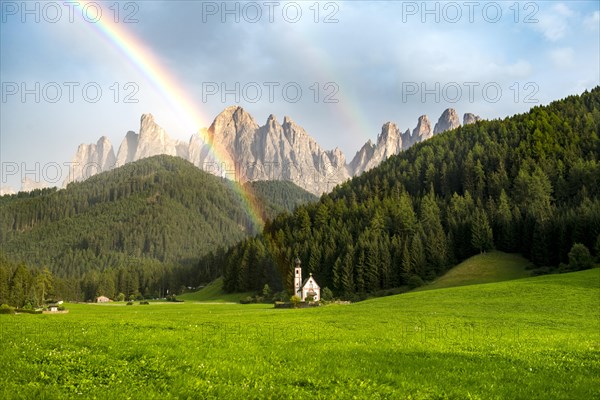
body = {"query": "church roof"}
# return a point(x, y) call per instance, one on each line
point(307, 279)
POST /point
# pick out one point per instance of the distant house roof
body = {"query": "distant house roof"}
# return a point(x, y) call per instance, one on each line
point(102, 299)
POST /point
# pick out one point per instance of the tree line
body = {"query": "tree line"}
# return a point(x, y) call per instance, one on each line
point(528, 184)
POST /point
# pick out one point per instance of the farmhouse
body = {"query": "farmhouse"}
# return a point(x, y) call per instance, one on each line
point(309, 289)
point(102, 299)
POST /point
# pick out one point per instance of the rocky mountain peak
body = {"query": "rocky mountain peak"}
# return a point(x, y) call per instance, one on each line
point(389, 131)
point(91, 159)
point(423, 129)
point(448, 120)
point(272, 122)
point(469, 118)
point(275, 151)
point(146, 117)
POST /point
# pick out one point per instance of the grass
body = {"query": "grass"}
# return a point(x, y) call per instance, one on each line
point(214, 293)
point(533, 338)
point(494, 266)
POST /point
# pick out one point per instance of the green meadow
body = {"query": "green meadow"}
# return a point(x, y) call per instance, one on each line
point(493, 266)
point(531, 338)
point(214, 293)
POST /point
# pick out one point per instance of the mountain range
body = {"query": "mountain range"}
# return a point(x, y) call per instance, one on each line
point(236, 147)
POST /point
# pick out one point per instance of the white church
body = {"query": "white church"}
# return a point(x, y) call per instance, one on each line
point(307, 288)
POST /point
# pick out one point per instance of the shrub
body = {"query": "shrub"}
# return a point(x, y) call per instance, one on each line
point(144, 303)
point(130, 303)
point(266, 292)
point(121, 297)
point(258, 299)
point(580, 258)
point(415, 281)
point(295, 300)
point(544, 270)
point(282, 296)
point(174, 299)
point(6, 309)
point(327, 294)
point(247, 300)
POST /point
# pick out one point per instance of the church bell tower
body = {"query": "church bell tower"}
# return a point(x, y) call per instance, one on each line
point(297, 278)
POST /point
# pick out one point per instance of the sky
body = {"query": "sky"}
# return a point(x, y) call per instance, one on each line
point(340, 69)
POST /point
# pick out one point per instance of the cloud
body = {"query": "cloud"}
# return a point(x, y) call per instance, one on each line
point(592, 22)
point(563, 57)
point(554, 23)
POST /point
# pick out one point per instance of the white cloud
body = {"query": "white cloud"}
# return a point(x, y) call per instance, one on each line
point(554, 23)
point(563, 57)
point(592, 22)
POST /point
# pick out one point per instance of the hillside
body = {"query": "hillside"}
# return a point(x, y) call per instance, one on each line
point(494, 266)
point(280, 196)
point(150, 216)
point(528, 184)
point(213, 293)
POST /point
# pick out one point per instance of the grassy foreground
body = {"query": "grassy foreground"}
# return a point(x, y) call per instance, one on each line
point(525, 339)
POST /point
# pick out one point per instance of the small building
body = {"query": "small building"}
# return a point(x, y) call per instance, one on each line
point(310, 289)
point(307, 289)
point(102, 299)
point(53, 307)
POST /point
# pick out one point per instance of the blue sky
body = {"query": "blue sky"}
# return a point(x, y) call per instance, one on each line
point(373, 58)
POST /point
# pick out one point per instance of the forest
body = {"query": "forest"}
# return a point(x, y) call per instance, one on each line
point(137, 230)
point(527, 184)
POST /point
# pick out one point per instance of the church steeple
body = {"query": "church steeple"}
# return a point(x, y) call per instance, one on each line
point(298, 277)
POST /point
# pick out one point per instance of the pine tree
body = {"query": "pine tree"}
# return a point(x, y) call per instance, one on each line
point(348, 274)
point(20, 286)
point(481, 232)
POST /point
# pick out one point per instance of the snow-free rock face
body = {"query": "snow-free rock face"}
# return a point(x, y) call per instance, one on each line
point(5, 190)
point(127, 149)
point(153, 140)
point(236, 147)
point(27, 185)
point(423, 130)
point(389, 143)
point(362, 158)
point(469, 118)
point(91, 159)
point(448, 121)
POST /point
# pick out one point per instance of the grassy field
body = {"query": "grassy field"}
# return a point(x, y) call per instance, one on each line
point(214, 293)
point(533, 338)
point(494, 266)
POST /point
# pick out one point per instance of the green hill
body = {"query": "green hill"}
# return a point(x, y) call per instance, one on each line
point(138, 228)
point(494, 266)
point(280, 196)
point(528, 184)
point(213, 293)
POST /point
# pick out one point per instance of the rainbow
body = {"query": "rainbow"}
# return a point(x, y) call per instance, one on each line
point(134, 51)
